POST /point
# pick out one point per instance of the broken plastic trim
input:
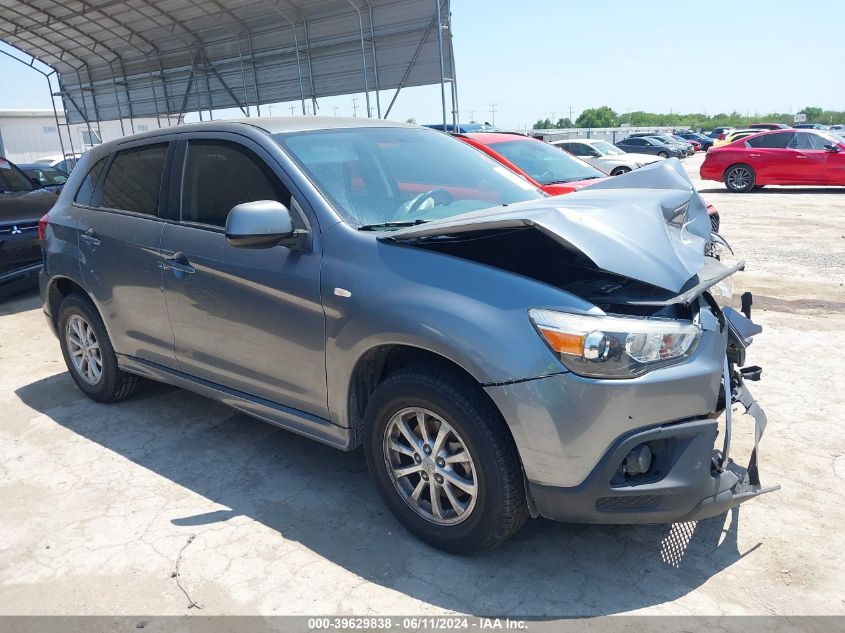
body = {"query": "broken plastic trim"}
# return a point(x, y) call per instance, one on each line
point(696, 291)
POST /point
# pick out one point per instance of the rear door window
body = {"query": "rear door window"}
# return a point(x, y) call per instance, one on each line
point(133, 182)
point(778, 140)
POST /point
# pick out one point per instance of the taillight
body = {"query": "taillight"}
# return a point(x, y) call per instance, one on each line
point(42, 225)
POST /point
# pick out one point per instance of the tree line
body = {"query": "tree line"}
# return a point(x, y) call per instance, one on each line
point(605, 116)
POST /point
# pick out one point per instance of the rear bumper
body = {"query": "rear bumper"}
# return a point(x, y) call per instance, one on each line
point(687, 483)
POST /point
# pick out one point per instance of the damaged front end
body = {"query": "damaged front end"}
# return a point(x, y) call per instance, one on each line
point(646, 260)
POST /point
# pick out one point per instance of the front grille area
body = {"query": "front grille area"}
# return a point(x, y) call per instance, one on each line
point(627, 504)
point(24, 228)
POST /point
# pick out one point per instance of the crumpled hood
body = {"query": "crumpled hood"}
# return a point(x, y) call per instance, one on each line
point(650, 224)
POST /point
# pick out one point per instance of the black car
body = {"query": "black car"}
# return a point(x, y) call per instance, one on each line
point(705, 141)
point(22, 203)
point(648, 145)
point(51, 178)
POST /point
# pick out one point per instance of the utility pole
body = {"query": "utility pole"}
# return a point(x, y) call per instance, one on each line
point(291, 110)
point(335, 109)
point(493, 113)
point(472, 116)
point(570, 115)
point(354, 105)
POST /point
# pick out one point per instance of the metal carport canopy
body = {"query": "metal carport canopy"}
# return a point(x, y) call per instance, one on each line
point(119, 59)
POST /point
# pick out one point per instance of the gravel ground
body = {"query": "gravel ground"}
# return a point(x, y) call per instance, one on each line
point(96, 502)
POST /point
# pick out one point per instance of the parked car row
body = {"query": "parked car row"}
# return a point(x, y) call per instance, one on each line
point(22, 203)
point(777, 157)
point(498, 353)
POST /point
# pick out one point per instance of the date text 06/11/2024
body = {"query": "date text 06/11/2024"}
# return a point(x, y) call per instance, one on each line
point(432, 623)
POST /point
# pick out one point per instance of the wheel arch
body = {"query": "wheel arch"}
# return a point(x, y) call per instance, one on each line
point(377, 363)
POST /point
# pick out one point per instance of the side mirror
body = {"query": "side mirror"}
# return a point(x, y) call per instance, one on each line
point(260, 224)
point(832, 148)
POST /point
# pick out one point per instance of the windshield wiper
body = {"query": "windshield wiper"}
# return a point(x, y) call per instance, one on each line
point(390, 225)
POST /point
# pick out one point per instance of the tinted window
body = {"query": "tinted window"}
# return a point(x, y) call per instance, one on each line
point(635, 141)
point(47, 175)
point(802, 140)
point(133, 182)
point(818, 142)
point(579, 149)
point(13, 179)
point(219, 175)
point(86, 189)
point(776, 140)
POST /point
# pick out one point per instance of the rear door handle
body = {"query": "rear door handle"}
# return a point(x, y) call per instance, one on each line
point(90, 237)
point(802, 157)
point(754, 155)
point(178, 262)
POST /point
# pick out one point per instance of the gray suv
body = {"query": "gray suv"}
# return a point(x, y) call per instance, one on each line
point(498, 353)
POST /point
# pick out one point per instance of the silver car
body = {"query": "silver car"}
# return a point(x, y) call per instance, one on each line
point(602, 155)
point(498, 353)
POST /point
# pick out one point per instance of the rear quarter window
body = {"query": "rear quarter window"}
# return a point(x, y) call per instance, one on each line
point(86, 188)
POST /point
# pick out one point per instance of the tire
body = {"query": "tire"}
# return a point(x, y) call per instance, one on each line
point(620, 170)
point(78, 322)
point(663, 154)
point(498, 508)
point(739, 178)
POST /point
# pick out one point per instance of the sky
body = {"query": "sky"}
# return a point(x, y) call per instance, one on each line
point(539, 58)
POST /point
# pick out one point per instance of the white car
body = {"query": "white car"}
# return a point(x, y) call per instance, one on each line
point(605, 156)
point(65, 163)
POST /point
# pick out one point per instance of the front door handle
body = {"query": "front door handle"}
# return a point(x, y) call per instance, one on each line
point(178, 263)
point(754, 155)
point(90, 237)
point(802, 157)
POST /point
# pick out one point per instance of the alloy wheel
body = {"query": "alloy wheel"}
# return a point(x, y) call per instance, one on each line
point(430, 466)
point(739, 178)
point(84, 349)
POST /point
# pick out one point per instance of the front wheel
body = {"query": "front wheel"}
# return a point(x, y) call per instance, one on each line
point(443, 460)
point(740, 178)
point(619, 171)
point(663, 154)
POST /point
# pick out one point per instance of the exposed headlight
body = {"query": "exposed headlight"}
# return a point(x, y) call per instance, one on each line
point(612, 346)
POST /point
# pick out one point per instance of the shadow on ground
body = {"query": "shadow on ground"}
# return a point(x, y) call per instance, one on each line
point(12, 303)
point(323, 499)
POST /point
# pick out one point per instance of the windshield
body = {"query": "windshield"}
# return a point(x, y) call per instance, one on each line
point(544, 163)
point(47, 175)
point(12, 178)
point(606, 149)
point(383, 175)
point(665, 139)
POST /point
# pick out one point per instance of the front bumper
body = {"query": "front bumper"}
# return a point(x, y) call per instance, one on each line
point(574, 436)
point(690, 481)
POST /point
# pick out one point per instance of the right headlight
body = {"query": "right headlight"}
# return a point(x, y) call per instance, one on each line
point(614, 346)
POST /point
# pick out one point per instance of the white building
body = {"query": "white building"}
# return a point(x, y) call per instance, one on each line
point(27, 135)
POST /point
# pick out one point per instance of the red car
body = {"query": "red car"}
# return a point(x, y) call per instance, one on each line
point(539, 163)
point(544, 166)
point(778, 157)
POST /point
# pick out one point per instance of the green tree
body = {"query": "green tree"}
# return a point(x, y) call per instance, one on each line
point(544, 124)
point(564, 123)
point(813, 114)
point(411, 120)
point(597, 117)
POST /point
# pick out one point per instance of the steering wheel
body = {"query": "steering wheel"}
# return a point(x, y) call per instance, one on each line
point(439, 197)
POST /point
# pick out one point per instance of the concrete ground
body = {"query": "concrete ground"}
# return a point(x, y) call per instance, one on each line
point(97, 502)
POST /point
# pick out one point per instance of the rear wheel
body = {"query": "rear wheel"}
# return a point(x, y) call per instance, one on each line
point(443, 460)
point(740, 178)
point(88, 352)
point(620, 170)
